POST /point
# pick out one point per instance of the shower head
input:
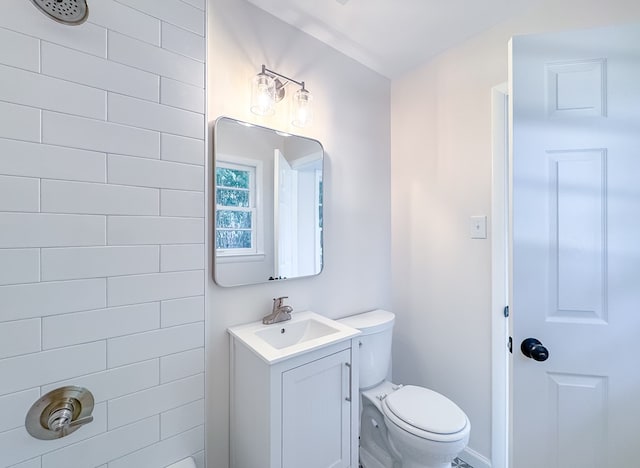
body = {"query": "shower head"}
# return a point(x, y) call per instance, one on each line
point(71, 12)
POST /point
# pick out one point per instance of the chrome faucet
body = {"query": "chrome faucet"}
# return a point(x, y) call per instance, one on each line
point(280, 312)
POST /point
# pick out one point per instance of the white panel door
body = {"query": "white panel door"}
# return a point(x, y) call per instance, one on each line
point(316, 414)
point(576, 247)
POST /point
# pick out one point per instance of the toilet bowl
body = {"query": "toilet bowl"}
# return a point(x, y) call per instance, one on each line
point(401, 426)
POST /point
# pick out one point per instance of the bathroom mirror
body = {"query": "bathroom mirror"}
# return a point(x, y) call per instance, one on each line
point(268, 204)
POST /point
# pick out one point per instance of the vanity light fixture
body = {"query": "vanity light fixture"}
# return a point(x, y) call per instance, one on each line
point(269, 88)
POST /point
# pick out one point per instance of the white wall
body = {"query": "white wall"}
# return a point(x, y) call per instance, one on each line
point(102, 229)
point(441, 175)
point(352, 122)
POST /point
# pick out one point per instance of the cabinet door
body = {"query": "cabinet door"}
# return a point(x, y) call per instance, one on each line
point(316, 422)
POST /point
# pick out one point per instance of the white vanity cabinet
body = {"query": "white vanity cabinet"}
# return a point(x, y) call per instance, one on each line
point(299, 412)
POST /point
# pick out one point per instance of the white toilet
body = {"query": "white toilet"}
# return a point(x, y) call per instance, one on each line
point(401, 426)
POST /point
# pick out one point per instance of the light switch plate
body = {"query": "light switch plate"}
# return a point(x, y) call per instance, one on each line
point(478, 227)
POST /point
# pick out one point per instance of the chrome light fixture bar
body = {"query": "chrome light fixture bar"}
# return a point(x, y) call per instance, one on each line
point(269, 88)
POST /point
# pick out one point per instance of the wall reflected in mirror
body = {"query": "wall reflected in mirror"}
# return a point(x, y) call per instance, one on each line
point(268, 196)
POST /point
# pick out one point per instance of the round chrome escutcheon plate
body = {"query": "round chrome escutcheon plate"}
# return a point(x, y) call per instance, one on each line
point(72, 12)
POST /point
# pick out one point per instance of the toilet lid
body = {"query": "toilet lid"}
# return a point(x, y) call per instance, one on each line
point(426, 410)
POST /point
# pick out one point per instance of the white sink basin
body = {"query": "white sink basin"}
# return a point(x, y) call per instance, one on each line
point(287, 334)
point(306, 331)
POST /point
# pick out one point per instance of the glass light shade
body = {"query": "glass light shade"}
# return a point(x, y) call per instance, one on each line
point(302, 108)
point(263, 95)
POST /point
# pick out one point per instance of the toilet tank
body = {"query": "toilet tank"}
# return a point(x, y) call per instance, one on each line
point(375, 344)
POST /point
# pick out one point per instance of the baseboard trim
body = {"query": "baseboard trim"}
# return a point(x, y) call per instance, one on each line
point(474, 459)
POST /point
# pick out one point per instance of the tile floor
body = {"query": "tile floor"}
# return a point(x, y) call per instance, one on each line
point(457, 463)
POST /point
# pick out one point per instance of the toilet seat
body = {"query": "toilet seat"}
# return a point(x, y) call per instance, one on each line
point(425, 414)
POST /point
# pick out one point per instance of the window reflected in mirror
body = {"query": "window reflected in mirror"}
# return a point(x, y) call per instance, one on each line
point(236, 209)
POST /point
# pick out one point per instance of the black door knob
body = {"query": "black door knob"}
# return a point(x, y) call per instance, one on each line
point(533, 349)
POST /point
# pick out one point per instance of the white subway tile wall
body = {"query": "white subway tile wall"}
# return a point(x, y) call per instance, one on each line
point(19, 121)
point(98, 135)
point(102, 152)
point(14, 406)
point(181, 311)
point(178, 420)
point(156, 174)
point(19, 194)
point(19, 265)
point(22, 158)
point(24, 53)
point(40, 91)
point(34, 463)
point(20, 337)
point(182, 257)
point(180, 149)
point(98, 72)
point(180, 203)
point(173, 449)
point(180, 365)
point(117, 17)
point(184, 96)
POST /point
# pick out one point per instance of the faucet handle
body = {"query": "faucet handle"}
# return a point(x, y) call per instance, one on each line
point(277, 301)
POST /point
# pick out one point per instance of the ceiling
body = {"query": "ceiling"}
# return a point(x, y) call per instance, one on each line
point(393, 36)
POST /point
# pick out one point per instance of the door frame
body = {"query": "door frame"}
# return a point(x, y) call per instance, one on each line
point(500, 378)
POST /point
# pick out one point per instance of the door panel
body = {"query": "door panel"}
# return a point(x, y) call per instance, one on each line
point(577, 436)
point(316, 416)
point(576, 246)
point(578, 225)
